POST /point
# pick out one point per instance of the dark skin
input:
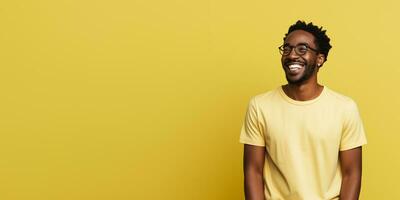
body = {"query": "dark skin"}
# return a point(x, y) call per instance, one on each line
point(351, 164)
point(253, 165)
point(302, 86)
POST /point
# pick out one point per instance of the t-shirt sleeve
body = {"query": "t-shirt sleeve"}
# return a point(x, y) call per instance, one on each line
point(252, 132)
point(353, 134)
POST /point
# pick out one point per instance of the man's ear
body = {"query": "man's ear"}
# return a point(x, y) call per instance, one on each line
point(320, 59)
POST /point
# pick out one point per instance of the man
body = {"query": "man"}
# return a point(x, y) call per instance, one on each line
point(302, 141)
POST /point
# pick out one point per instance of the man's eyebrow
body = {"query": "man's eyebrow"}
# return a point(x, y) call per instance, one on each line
point(301, 43)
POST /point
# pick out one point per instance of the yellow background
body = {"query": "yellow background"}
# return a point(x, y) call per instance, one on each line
point(144, 99)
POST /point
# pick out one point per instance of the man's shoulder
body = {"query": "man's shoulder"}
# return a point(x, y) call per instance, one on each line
point(340, 99)
point(266, 95)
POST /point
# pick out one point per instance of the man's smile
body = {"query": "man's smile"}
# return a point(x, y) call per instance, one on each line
point(294, 67)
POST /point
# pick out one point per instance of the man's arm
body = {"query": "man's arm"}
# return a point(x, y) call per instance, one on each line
point(351, 165)
point(253, 166)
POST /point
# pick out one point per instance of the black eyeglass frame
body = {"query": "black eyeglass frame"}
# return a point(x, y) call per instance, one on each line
point(281, 49)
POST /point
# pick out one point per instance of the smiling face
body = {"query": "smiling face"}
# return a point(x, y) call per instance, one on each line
point(300, 68)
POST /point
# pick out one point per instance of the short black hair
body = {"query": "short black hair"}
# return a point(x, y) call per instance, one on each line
point(321, 39)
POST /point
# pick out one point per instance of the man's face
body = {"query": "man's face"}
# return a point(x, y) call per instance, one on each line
point(299, 68)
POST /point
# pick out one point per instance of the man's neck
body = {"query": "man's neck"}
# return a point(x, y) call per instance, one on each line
point(303, 92)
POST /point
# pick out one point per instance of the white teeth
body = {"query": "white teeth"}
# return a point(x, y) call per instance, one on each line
point(295, 67)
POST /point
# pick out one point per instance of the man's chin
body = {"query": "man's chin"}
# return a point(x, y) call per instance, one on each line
point(295, 81)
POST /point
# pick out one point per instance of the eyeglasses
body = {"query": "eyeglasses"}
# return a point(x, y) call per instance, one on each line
point(300, 49)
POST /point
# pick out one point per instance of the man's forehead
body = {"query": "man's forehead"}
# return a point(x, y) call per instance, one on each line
point(298, 37)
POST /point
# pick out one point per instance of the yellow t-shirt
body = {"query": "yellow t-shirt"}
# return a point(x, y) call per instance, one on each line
point(302, 140)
